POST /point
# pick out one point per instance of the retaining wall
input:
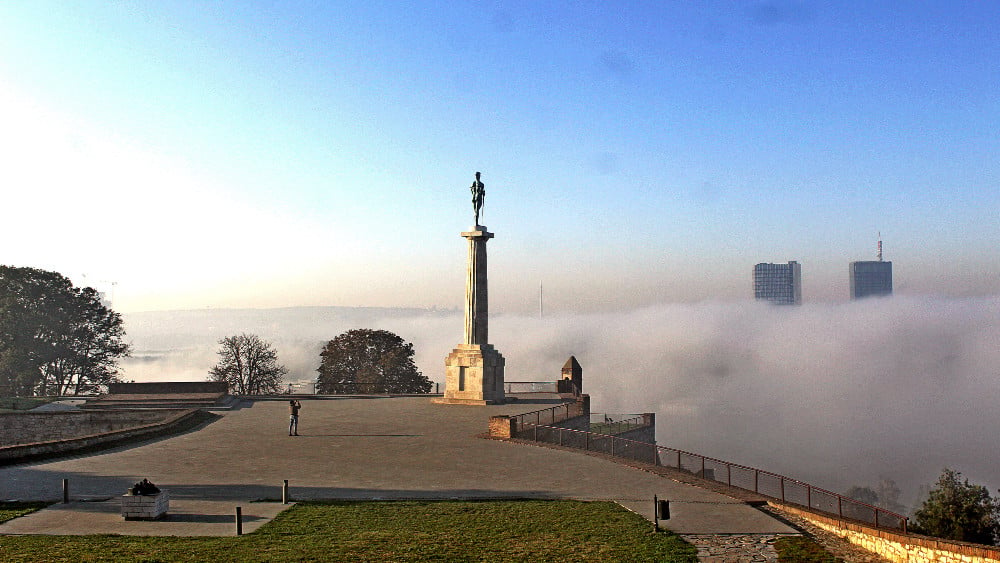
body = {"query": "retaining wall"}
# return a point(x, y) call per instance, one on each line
point(31, 427)
point(169, 421)
point(899, 547)
point(163, 387)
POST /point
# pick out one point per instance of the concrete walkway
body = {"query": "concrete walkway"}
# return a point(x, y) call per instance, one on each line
point(400, 448)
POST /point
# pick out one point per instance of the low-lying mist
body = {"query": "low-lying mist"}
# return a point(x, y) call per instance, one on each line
point(833, 394)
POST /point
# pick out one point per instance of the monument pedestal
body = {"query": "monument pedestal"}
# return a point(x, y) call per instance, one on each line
point(473, 376)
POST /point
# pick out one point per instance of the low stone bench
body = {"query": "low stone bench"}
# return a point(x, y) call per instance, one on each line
point(145, 507)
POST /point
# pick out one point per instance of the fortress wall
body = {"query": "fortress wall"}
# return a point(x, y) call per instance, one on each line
point(168, 387)
point(167, 421)
point(31, 427)
point(898, 547)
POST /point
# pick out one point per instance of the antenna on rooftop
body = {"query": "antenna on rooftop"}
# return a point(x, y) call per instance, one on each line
point(880, 246)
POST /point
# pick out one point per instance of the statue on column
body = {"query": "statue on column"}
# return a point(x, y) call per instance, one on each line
point(478, 194)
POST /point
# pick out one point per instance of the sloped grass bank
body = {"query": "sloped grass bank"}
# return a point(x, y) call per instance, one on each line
point(528, 530)
point(11, 510)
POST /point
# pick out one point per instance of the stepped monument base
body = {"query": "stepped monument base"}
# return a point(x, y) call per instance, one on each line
point(473, 376)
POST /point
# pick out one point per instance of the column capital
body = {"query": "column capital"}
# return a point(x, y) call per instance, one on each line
point(477, 231)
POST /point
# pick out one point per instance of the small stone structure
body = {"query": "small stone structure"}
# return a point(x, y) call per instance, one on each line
point(145, 507)
point(572, 377)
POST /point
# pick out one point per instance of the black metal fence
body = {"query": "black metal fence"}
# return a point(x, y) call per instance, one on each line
point(538, 426)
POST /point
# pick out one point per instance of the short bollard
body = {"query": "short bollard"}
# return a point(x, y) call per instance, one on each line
point(239, 521)
point(65, 491)
point(663, 508)
point(656, 515)
point(284, 492)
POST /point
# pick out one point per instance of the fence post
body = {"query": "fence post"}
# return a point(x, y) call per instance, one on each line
point(729, 475)
point(678, 459)
point(840, 506)
point(782, 489)
point(904, 524)
point(876, 517)
point(65, 484)
point(703, 467)
point(612, 446)
point(239, 521)
point(809, 496)
point(284, 492)
point(756, 479)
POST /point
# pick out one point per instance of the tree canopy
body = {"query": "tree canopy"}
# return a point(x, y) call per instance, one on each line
point(369, 361)
point(249, 365)
point(958, 510)
point(55, 338)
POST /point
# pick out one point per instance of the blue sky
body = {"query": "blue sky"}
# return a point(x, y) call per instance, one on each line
point(252, 154)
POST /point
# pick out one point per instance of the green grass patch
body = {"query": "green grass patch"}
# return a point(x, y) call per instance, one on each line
point(802, 549)
point(394, 531)
point(11, 510)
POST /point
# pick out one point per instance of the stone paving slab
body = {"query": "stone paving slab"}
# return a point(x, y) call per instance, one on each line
point(699, 517)
point(185, 518)
point(392, 448)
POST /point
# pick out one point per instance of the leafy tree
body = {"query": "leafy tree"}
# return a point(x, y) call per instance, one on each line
point(369, 361)
point(55, 338)
point(958, 510)
point(249, 365)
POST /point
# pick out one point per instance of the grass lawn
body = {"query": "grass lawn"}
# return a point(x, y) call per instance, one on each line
point(804, 550)
point(11, 510)
point(394, 531)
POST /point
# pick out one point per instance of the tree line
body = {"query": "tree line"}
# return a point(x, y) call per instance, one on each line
point(357, 361)
point(55, 338)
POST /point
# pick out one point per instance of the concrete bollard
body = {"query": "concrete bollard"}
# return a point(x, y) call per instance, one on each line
point(239, 521)
point(284, 492)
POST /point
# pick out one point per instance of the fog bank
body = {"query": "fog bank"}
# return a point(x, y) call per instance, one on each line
point(833, 394)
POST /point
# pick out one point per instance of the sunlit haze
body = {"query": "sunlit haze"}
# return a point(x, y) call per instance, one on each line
point(184, 155)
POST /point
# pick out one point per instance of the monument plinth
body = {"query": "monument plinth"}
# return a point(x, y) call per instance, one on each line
point(474, 369)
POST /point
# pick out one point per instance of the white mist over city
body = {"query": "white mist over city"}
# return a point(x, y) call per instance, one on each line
point(833, 394)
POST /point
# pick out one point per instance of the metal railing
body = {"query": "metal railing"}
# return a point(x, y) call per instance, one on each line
point(614, 424)
point(760, 481)
point(548, 416)
point(530, 387)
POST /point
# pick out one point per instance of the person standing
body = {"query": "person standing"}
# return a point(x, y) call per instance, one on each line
point(293, 418)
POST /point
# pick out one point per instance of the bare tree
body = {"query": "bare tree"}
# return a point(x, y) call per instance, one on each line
point(249, 365)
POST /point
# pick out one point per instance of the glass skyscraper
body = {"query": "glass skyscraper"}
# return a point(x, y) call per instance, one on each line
point(871, 278)
point(778, 283)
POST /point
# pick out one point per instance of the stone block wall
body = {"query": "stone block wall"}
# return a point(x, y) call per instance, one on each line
point(899, 547)
point(145, 507)
point(167, 387)
point(175, 420)
point(32, 427)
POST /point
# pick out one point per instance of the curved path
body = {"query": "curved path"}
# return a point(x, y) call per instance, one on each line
point(374, 449)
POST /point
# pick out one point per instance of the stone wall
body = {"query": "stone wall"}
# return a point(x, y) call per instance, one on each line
point(899, 547)
point(31, 427)
point(165, 387)
point(174, 421)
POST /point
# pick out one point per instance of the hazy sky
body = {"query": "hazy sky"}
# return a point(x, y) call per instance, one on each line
point(257, 154)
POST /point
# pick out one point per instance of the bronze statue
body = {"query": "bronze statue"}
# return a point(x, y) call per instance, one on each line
point(478, 194)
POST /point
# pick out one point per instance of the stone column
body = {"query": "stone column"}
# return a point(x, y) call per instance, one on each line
point(474, 369)
point(476, 292)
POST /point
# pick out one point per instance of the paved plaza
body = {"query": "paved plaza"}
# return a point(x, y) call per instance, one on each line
point(380, 448)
